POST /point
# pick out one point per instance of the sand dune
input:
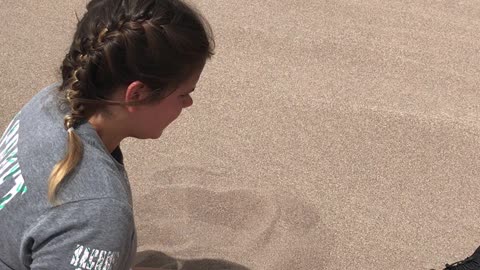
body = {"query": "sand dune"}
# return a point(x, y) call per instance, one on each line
point(324, 135)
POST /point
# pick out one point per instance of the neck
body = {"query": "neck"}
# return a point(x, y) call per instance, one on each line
point(109, 131)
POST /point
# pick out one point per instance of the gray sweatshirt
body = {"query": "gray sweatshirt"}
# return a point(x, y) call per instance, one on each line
point(93, 227)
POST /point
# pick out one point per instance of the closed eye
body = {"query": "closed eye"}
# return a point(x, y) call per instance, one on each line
point(187, 94)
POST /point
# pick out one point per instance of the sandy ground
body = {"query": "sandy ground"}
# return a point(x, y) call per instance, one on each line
point(324, 135)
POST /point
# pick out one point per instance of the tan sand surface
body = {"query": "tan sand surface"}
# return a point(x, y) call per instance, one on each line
point(326, 134)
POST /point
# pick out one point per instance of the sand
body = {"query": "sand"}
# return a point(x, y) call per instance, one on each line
point(324, 134)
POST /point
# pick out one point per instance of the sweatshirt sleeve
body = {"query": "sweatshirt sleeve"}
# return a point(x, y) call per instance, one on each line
point(96, 234)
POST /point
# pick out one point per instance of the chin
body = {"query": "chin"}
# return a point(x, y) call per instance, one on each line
point(148, 136)
point(158, 136)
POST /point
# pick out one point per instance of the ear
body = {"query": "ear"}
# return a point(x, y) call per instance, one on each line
point(136, 91)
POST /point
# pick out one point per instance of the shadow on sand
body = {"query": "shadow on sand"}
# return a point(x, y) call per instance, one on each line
point(157, 259)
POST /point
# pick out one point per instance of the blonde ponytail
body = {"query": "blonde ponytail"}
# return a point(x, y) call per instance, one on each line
point(74, 144)
point(66, 165)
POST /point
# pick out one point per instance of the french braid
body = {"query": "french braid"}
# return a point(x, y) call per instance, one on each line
point(117, 42)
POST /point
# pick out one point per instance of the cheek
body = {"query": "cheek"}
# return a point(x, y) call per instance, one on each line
point(171, 113)
point(166, 113)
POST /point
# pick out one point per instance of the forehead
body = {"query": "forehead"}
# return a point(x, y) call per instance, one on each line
point(192, 80)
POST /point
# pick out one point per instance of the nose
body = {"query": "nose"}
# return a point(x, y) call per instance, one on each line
point(188, 102)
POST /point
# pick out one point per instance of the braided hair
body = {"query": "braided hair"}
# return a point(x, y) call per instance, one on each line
point(158, 42)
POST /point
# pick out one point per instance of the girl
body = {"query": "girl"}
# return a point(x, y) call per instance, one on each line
point(65, 200)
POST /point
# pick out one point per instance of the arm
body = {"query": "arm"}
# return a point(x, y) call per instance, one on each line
point(90, 234)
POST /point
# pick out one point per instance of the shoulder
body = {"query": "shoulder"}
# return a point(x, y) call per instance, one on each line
point(72, 232)
point(96, 178)
point(107, 209)
point(98, 175)
point(85, 220)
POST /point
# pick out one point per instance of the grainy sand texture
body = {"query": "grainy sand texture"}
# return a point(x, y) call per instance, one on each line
point(325, 134)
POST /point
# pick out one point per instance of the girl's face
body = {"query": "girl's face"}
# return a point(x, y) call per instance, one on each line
point(149, 121)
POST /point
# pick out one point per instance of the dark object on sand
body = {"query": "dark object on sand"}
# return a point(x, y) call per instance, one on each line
point(470, 263)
